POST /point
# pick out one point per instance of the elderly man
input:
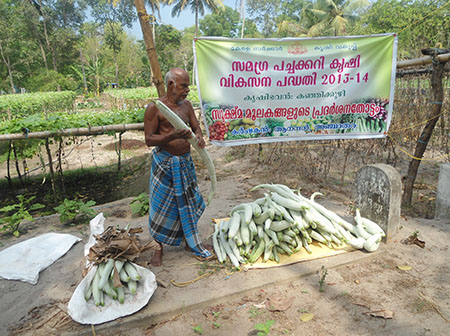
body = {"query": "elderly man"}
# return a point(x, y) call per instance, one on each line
point(175, 201)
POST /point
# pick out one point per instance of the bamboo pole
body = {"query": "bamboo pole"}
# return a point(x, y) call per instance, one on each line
point(150, 46)
point(74, 131)
point(422, 61)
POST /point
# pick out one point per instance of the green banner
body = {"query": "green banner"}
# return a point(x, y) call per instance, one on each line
point(267, 90)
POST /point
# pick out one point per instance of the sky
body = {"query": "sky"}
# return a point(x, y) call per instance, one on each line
point(186, 18)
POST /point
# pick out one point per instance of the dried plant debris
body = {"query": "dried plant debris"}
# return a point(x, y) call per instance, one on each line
point(414, 240)
point(115, 243)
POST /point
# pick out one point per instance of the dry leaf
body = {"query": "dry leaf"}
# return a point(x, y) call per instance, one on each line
point(278, 304)
point(118, 244)
point(361, 304)
point(386, 314)
point(260, 305)
point(404, 267)
point(413, 240)
point(306, 317)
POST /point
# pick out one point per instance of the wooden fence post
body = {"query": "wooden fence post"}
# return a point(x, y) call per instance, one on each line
point(422, 142)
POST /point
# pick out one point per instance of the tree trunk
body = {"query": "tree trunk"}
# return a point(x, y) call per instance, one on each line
point(150, 46)
point(47, 41)
point(9, 67)
point(196, 18)
point(422, 142)
point(83, 71)
point(116, 65)
point(44, 57)
point(243, 17)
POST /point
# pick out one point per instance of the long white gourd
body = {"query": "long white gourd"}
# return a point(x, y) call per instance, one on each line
point(178, 123)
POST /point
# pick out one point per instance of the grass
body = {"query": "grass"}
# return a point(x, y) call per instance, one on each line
point(255, 312)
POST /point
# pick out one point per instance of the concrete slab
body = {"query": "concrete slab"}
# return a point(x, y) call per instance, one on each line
point(178, 265)
point(443, 193)
point(218, 288)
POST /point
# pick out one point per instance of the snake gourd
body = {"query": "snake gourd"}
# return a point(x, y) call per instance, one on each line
point(178, 123)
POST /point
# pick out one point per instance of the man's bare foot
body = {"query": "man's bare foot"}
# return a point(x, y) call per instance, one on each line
point(156, 259)
point(209, 247)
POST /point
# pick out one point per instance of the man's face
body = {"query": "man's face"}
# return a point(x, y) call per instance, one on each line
point(181, 86)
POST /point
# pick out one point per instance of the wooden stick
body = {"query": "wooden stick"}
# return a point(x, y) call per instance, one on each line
point(74, 131)
point(422, 61)
point(434, 305)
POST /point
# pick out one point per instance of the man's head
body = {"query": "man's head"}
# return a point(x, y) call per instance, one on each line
point(177, 83)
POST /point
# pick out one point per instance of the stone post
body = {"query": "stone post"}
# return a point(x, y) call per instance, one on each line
point(379, 195)
point(443, 193)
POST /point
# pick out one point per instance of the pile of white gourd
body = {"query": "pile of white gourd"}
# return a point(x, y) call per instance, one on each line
point(284, 222)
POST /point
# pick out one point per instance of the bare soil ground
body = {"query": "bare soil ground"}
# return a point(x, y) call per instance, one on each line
point(376, 296)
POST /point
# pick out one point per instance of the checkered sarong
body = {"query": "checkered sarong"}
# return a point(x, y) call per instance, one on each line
point(175, 201)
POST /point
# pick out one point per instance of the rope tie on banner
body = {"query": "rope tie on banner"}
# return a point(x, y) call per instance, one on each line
point(418, 124)
point(412, 156)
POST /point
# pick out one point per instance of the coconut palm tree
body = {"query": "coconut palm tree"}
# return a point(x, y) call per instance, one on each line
point(331, 17)
point(197, 6)
point(323, 18)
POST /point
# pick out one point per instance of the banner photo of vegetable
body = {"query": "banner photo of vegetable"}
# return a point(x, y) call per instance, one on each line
point(271, 90)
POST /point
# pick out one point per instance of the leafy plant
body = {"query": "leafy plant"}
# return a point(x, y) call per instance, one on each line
point(20, 211)
point(198, 329)
point(31, 103)
point(323, 274)
point(70, 209)
point(264, 328)
point(62, 120)
point(140, 205)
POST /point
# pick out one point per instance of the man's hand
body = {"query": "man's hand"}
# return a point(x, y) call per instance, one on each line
point(201, 141)
point(181, 134)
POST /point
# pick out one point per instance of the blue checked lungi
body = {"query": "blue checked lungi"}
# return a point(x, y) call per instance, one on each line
point(175, 201)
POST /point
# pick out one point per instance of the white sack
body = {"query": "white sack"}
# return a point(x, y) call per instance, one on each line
point(24, 261)
point(86, 312)
point(95, 228)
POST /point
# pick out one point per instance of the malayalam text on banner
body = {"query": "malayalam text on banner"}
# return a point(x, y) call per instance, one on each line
point(267, 90)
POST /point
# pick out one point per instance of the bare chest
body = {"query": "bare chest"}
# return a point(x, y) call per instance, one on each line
point(184, 115)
